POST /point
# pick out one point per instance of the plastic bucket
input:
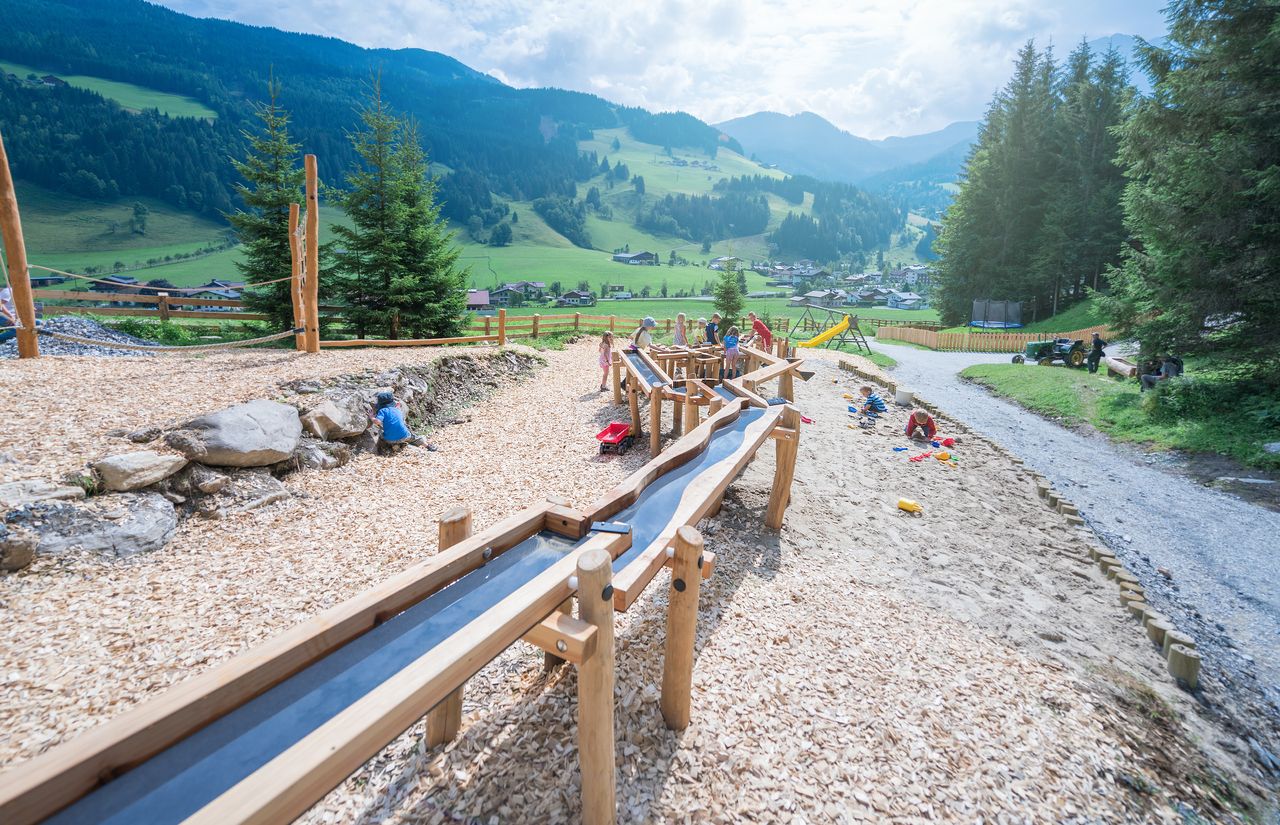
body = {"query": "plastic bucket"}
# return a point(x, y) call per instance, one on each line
point(904, 398)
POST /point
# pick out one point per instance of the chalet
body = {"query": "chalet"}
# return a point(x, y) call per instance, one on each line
point(823, 297)
point(636, 258)
point(39, 281)
point(531, 290)
point(51, 80)
point(502, 297)
point(576, 298)
point(915, 275)
point(478, 300)
point(115, 283)
point(905, 300)
point(723, 261)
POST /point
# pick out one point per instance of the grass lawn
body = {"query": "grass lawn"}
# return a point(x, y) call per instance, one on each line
point(131, 97)
point(1117, 409)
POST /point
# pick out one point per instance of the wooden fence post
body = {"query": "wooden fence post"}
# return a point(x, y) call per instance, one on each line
point(577, 320)
point(163, 306)
point(312, 301)
point(613, 323)
point(486, 325)
point(535, 325)
point(682, 626)
point(295, 285)
point(444, 720)
point(784, 471)
point(595, 691)
point(502, 327)
point(16, 254)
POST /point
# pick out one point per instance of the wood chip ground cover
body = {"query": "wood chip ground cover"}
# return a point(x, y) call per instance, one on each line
point(862, 665)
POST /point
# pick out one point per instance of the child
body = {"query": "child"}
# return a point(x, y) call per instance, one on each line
point(872, 403)
point(713, 329)
point(394, 431)
point(731, 352)
point(606, 358)
point(920, 426)
point(642, 338)
point(679, 338)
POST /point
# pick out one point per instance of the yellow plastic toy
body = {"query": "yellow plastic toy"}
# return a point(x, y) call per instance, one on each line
point(942, 456)
point(909, 506)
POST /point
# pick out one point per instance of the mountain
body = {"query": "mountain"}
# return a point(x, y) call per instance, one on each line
point(1127, 46)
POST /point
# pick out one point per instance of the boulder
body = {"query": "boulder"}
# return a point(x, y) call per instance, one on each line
point(30, 491)
point(132, 471)
point(196, 480)
point(17, 546)
point(119, 526)
point(338, 416)
point(247, 435)
point(322, 455)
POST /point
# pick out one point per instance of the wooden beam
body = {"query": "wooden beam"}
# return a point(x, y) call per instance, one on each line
point(564, 637)
point(312, 258)
point(445, 719)
point(290, 783)
point(595, 692)
point(16, 254)
point(43, 785)
point(784, 471)
point(407, 342)
point(682, 627)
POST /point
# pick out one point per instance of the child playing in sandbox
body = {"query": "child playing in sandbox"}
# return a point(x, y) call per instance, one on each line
point(872, 404)
point(395, 433)
point(731, 353)
point(920, 426)
point(606, 358)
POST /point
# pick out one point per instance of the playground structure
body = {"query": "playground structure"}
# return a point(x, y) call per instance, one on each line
point(832, 329)
point(265, 735)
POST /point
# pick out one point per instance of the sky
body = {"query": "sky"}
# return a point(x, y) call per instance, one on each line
point(873, 67)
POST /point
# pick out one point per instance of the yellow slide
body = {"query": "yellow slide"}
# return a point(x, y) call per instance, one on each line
point(823, 337)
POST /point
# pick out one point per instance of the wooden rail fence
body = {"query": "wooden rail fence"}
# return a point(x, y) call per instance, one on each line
point(981, 341)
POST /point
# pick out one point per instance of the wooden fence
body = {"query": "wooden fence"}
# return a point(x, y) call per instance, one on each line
point(981, 341)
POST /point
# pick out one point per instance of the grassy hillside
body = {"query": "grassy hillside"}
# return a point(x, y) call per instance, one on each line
point(131, 97)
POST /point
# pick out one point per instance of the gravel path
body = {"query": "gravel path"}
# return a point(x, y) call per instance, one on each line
point(1220, 551)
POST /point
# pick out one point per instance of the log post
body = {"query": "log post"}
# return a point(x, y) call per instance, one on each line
point(577, 320)
point(617, 378)
point(502, 327)
point(535, 325)
point(295, 285)
point(595, 691)
point(633, 400)
point(1184, 666)
point(15, 251)
point(690, 408)
point(677, 415)
point(682, 626)
point(613, 323)
point(444, 720)
point(312, 301)
point(163, 306)
point(787, 385)
point(487, 325)
point(655, 421)
point(784, 471)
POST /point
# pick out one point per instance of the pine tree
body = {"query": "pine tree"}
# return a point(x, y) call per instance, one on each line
point(1202, 157)
point(729, 297)
point(273, 180)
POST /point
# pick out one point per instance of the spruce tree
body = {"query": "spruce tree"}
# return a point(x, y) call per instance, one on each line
point(272, 180)
point(728, 294)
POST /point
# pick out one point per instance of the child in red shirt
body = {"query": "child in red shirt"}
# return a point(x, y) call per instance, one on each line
point(920, 426)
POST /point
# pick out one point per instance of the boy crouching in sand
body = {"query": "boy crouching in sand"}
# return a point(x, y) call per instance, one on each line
point(872, 404)
point(920, 426)
point(395, 433)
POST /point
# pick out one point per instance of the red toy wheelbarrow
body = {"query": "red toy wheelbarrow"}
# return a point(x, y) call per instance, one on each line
point(615, 438)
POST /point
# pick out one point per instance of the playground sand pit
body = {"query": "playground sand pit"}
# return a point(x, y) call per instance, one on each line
point(862, 665)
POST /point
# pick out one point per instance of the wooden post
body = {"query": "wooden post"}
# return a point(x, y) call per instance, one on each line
point(682, 626)
point(15, 251)
point(295, 286)
point(502, 327)
point(787, 385)
point(577, 321)
point(784, 472)
point(633, 400)
point(668, 326)
point(617, 378)
point(613, 323)
point(677, 416)
point(690, 408)
point(535, 325)
point(444, 720)
point(487, 319)
point(655, 421)
point(312, 295)
point(163, 306)
point(595, 691)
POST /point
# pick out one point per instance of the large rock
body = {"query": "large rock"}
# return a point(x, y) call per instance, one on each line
point(133, 471)
point(117, 525)
point(30, 491)
point(247, 435)
point(17, 546)
point(341, 416)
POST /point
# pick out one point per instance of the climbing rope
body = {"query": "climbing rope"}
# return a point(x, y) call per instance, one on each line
point(76, 339)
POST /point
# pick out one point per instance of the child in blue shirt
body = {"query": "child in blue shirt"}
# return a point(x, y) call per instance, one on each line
point(731, 352)
point(395, 432)
point(713, 329)
point(872, 403)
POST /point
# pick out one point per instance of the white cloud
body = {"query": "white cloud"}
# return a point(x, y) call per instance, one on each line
point(873, 67)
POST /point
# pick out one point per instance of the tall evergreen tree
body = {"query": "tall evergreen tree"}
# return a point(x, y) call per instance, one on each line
point(1203, 199)
point(272, 181)
point(728, 294)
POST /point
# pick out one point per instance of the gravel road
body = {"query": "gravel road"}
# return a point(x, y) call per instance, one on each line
point(1221, 552)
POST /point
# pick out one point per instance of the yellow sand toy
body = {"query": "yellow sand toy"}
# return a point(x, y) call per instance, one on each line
point(909, 506)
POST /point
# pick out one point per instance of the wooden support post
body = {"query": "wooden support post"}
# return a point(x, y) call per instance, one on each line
point(677, 415)
point(577, 321)
point(551, 661)
point(690, 408)
point(655, 421)
point(502, 327)
point(617, 378)
point(535, 325)
point(682, 626)
point(595, 691)
point(787, 385)
point(312, 257)
point(444, 720)
point(633, 400)
point(784, 472)
point(162, 305)
point(295, 285)
point(613, 323)
point(487, 319)
point(15, 251)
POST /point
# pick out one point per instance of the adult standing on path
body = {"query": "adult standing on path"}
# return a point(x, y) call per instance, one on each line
point(1096, 353)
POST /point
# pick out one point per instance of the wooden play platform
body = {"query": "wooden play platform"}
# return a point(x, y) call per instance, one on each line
point(263, 737)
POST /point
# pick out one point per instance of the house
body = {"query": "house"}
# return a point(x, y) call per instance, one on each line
point(576, 298)
point(50, 80)
point(478, 300)
point(192, 299)
point(38, 281)
point(531, 290)
point(825, 297)
point(916, 275)
point(637, 258)
point(723, 261)
point(905, 300)
point(503, 296)
point(114, 283)
point(609, 289)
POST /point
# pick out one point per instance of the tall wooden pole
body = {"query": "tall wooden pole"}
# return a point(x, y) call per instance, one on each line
point(595, 691)
point(295, 286)
point(682, 624)
point(784, 470)
point(444, 720)
point(16, 256)
point(312, 301)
